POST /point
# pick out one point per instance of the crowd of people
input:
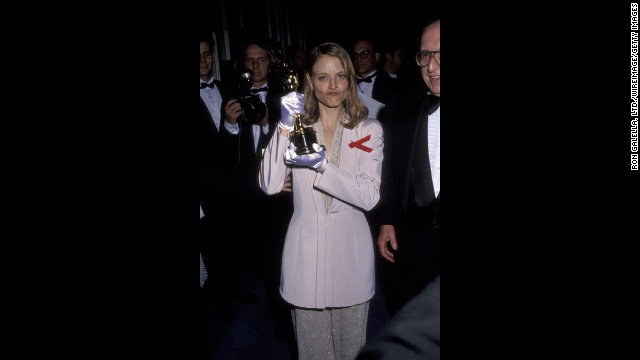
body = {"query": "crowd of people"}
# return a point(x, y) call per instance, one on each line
point(322, 226)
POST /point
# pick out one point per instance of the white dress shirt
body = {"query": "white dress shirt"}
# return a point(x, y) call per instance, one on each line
point(434, 149)
point(203, 269)
point(365, 87)
point(256, 127)
point(213, 100)
point(365, 90)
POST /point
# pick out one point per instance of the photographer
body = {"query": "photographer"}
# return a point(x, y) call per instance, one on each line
point(261, 219)
point(263, 64)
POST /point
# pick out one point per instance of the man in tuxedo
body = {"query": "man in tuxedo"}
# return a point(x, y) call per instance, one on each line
point(373, 84)
point(254, 134)
point(218, 176)
point(215, 135)
point(263, 219)
point(409, 211)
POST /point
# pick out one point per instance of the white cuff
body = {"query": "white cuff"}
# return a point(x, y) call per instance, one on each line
point(285, 127)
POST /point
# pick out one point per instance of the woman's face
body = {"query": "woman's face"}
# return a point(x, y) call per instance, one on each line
point(329, 80)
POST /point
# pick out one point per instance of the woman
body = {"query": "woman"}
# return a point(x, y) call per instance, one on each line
point(328, 260)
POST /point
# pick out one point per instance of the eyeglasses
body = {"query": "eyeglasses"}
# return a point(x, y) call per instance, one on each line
point(363, 55)
point(423, 57)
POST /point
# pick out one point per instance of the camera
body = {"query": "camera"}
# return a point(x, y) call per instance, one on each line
point(253, 107)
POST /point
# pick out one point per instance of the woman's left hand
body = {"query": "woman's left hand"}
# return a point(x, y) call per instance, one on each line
point(316, 161)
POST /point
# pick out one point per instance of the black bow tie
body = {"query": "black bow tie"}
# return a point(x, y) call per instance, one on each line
point(255, 91)
point(204, 85)
point(434, 104)
point(368, 79)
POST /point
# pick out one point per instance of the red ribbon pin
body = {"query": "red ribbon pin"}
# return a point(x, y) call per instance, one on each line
point(358, 144)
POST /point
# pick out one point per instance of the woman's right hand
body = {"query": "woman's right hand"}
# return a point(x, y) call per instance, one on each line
point(290, 105)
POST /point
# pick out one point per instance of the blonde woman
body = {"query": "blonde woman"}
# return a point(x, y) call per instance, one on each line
point(328, 258)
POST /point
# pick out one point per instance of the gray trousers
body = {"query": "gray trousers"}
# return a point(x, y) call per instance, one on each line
point(330, 334)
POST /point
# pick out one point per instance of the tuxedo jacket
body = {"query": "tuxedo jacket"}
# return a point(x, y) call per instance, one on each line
point(249, 156)
point(328, 258)
point(217, 159)
point(401, 128)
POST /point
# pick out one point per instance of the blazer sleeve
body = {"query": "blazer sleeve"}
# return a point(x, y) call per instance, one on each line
point(273, 170)
point(359, 187)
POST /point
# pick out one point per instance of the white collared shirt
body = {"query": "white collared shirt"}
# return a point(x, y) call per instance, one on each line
point(434, 149)
point(365, 87)
point(213, 100)
point(256, 127)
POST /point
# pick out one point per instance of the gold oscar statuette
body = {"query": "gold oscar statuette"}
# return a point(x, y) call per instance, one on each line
point(290, 79)
point(302, 137)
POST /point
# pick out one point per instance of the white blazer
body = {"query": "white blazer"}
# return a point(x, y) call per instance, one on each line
point(328, 258)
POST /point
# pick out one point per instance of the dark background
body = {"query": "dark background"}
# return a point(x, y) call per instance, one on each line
point(307, 24)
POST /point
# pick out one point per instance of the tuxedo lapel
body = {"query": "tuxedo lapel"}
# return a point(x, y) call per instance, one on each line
point(407, 128)
point(421, 170)
point(205, 115)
